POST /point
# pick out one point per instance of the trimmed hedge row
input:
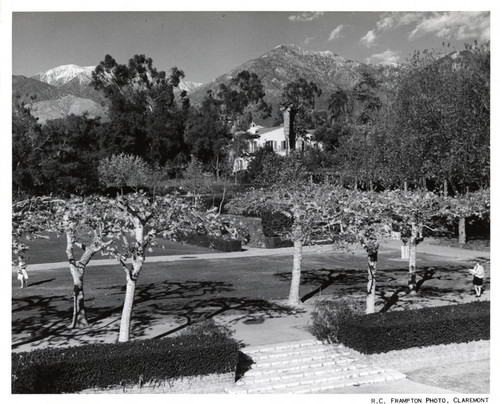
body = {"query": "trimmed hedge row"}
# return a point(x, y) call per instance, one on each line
point(383, 332)
point(69, 370)
point(217, 243)
point(277, 242)
point(275, 224)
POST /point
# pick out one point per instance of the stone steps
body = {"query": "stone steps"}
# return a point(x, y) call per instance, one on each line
point(306, 367)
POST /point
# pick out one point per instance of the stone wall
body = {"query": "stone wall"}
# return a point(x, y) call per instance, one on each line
point(416, 358)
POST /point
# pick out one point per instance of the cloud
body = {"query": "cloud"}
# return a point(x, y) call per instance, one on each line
point(335, 34)
point(306, 16)
point(369, 39)
point(309, 39)
point(388, 57)
point(455, 25)
point(389, 21)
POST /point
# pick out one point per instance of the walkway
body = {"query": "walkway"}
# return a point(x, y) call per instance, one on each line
point(425, 247)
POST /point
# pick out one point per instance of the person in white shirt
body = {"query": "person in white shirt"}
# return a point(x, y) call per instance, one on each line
point(477, 281)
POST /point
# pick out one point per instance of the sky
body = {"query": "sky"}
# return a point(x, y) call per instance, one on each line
point(210, 43)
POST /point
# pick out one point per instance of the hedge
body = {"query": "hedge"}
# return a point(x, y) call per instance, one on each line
point(275, 224)
point(217, 243)
point(277, 242)
point(383, 332)
point(67, 370)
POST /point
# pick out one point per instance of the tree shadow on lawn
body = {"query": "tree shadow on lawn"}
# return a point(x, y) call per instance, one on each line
point(350, 282)
point(242, 309)
point(41, 282)
point(40, 321)
point(322, 278)
point(443, 276)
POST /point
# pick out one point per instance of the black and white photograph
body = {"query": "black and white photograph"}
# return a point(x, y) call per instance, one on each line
point(248, 199)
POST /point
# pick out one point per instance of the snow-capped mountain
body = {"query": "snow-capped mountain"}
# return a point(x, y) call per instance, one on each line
point(189, 86)
point(61, 75)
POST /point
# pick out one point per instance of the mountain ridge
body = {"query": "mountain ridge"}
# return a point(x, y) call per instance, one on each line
point(276, 68)
point(287, 63)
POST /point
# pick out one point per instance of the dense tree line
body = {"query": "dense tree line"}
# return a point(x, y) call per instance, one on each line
point(429, 129)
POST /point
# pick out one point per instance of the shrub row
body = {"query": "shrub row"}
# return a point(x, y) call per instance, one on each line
point(275, 224)
point(383, 332)
point(209, 349)
point(216, 243)
point(328, 315)
point(277, 242)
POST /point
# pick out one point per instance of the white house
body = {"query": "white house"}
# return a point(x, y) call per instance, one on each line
point(282, 139)
point(274, 137)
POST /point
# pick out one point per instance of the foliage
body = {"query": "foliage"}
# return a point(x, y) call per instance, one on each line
point(195, 179)
point(260, 165)
point(146, 119)
point(137, 86)
point(268, 168)
point(446, 110)
point(205, 349)
point(366, 96)
point(31, 219)
point(206, 133)
point(301, 95)
point(472, 204)
point(139, 220)
point(383, 332)
point(62, 157)
point(275, 223)
point(25, 131)
point(208, 329)
point(124, 170)
point(417, 208)
point(332, 135)
point(244, 90)
point(328, 316)
point(211, 127)
point(312, 207)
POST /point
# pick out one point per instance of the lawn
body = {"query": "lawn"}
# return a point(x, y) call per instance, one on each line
point(53, 249)
point(179, 293)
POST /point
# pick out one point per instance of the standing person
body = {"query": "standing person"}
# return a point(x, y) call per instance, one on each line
point(22, 274)
point(477, 281)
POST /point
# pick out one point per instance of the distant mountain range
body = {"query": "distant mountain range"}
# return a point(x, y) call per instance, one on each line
point(65, 89)
point(287, 63)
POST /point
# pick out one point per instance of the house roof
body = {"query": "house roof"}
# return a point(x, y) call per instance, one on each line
point(265, 130)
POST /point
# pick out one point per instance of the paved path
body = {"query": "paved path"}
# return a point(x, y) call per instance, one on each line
point(426, 247)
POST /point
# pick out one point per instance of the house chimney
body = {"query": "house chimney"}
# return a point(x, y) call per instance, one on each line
point(288, 116)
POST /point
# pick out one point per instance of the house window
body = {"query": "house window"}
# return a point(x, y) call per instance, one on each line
point(252, 146)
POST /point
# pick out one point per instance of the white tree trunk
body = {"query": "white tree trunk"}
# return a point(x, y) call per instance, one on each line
point(462, 235)
point(132, 276)
point(412, 259)
point(370, 287)
point(77, 269)
point(124, 335)
point(294, 296)
point(79, 315)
